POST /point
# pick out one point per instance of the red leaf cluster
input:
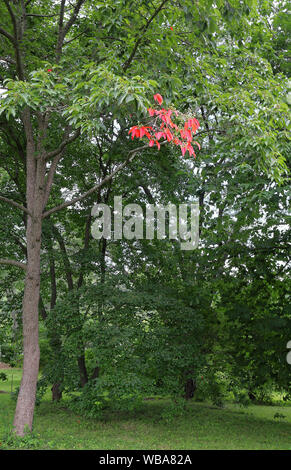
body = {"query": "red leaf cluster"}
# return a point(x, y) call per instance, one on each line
point(164, 128)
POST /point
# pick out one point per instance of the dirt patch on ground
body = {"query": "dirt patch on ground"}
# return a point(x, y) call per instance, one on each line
point(4, 366)
point(3, 391)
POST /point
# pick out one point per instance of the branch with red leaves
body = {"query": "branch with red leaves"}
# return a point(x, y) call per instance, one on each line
point(167, 129)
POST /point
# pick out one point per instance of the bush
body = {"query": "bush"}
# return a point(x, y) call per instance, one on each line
point(119, 393)
point(3, 377)
point(212, 386)
point(241, 398)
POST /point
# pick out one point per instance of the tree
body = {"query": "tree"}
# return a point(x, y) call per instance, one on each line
point(34, 99)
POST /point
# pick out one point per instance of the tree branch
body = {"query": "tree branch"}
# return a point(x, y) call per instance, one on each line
point(7, 35)
point(12, 16)
point(15, 204)
point(86, 246)
point(73, 39)
point(105, 180)
point(42, 309)
point(73, 17)
point(19, 243)
point(131, 57)
point(66, 261)
point(41, 16)
point(65, 142)
point(64, 29)
point(52, 275)
point(208, 131)
point(147, 192)
point(57, 154)
point(15, 42)
point(12, 262)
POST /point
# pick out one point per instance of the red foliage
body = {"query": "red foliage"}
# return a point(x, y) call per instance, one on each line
point(158, 98)
point(163, 127)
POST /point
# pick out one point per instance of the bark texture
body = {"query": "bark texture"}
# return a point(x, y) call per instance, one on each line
point(23, 418)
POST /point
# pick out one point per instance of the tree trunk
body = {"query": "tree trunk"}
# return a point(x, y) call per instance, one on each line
point(95, 373)
point(82, 370)
point(56, 392)
point(35, 178)
point(56, 345)
point(26, 398)
point(190, 387)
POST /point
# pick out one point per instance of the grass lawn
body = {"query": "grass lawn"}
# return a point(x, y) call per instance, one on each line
point(202, 427)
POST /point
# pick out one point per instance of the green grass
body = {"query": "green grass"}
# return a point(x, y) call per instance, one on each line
point(202, 427)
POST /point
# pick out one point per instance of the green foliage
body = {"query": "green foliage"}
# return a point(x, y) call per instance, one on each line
point(45, 353)
point(10, 440)
point(117, 392)
point(279, 416)
point(86, 92)
point(242, 398)
point(3, 377)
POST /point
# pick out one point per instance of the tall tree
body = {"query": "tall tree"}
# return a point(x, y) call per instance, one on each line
point(39, 102)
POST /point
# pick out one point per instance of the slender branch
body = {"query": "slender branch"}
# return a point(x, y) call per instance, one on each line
point(74, 38)
point(105, 180)
point(19, 243)
point(52, 277)
point(15, 204)
point(66, 261)
point(50, 178)
point(64, 29)
point(53, 167)
point(19, 64)
point(131, 57)
point(12, 16)
point(63, 145)
point(208, 131)
point(42, 309)
point(10, 135)
point(12, 262)
point(7, 35)
point(147, 192)
point(70, 23)
point(41, 16)
point(86, 246)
